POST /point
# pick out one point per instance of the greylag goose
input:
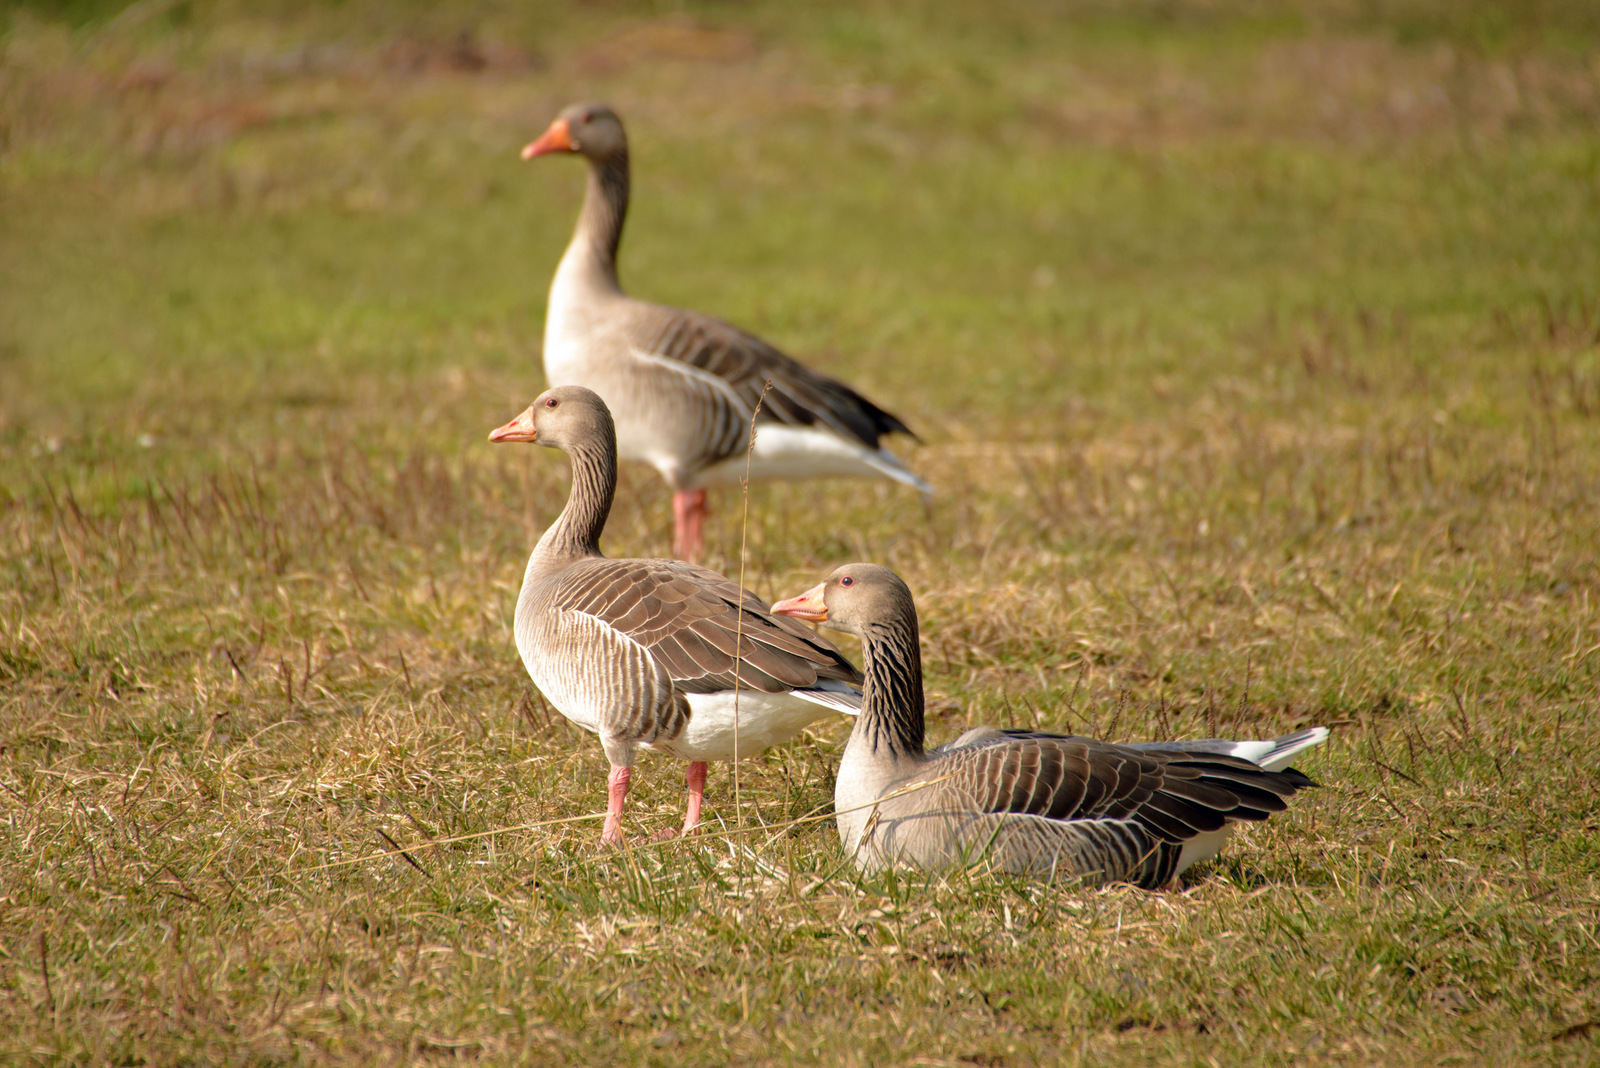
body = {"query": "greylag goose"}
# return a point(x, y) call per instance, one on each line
point(1024, 801)
point(655, 654)
point(683, 386)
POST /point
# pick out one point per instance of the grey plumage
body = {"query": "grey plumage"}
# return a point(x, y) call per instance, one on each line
point(688, 617)
point(684, 386)
point(657, 654)
point(1023, 801)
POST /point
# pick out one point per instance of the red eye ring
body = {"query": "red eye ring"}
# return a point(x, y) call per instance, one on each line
point(847, 581)
point(551, 402)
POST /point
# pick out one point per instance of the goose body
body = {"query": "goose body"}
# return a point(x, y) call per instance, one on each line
point(1024, 801)
point(660, 655)
point(684, 387)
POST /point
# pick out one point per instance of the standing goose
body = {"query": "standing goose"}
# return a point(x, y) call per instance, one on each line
point(1025, 801)
point(655, 654)
point(684, 386)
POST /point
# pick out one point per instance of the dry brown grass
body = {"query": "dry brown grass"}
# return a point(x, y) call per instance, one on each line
point(1261, 383)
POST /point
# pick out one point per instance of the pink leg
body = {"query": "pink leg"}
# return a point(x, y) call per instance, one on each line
point(616, 794)
point(697, 794)
point(688, 523)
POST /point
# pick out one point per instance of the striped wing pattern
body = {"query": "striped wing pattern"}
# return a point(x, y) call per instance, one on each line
point(618, 682)
point(1093, 850)
point(702, 629)
point(1173, 794)
point(799, 396)
point(1135, 806)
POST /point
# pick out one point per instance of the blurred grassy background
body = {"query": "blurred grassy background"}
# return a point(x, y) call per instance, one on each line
point(1257, 350)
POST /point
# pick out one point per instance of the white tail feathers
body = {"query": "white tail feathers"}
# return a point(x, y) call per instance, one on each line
point(1272, 754)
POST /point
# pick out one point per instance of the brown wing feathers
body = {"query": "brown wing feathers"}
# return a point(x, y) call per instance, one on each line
point(689, 618)
point(1173, 795)
point(799, 395)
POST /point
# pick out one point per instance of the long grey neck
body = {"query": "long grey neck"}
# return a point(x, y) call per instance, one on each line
point(599, 233)
point(891, 717)
point(576, 532)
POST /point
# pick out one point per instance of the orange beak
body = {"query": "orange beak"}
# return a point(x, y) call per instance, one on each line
point(807, 606)
point(519, 429)
point(556, 139)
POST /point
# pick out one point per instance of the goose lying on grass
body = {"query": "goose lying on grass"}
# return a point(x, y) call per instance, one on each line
point(1024, 801)
point(683, 386)
point(655, 654)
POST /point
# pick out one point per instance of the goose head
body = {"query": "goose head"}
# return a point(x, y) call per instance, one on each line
point(853, 599)
point(563, 417)
point(591, 130)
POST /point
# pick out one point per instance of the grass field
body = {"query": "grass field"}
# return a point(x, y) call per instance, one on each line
point(1257, 355)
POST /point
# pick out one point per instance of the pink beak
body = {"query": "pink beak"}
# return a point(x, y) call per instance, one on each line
point(556, 139)
point(519, 429)
point(807, 606)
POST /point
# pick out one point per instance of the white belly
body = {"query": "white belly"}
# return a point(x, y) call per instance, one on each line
point(762, 720)
point(807, 452)
point(1202, 847)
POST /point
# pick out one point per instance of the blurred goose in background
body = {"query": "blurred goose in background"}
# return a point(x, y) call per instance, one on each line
point(683, 386)
point(1024, 801)
point(655, 654)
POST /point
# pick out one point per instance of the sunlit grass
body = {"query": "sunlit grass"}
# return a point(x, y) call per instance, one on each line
point(1256, 356)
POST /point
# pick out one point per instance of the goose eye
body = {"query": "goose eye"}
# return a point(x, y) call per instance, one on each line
point(551, 402)
point(847, 581)
point(588, 116)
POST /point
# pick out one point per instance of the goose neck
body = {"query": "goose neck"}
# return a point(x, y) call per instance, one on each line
point(891, 718)
point(576, 533)
point(593, 250)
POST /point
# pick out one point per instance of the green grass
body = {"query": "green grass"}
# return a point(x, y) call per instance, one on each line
point(1257, 353)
